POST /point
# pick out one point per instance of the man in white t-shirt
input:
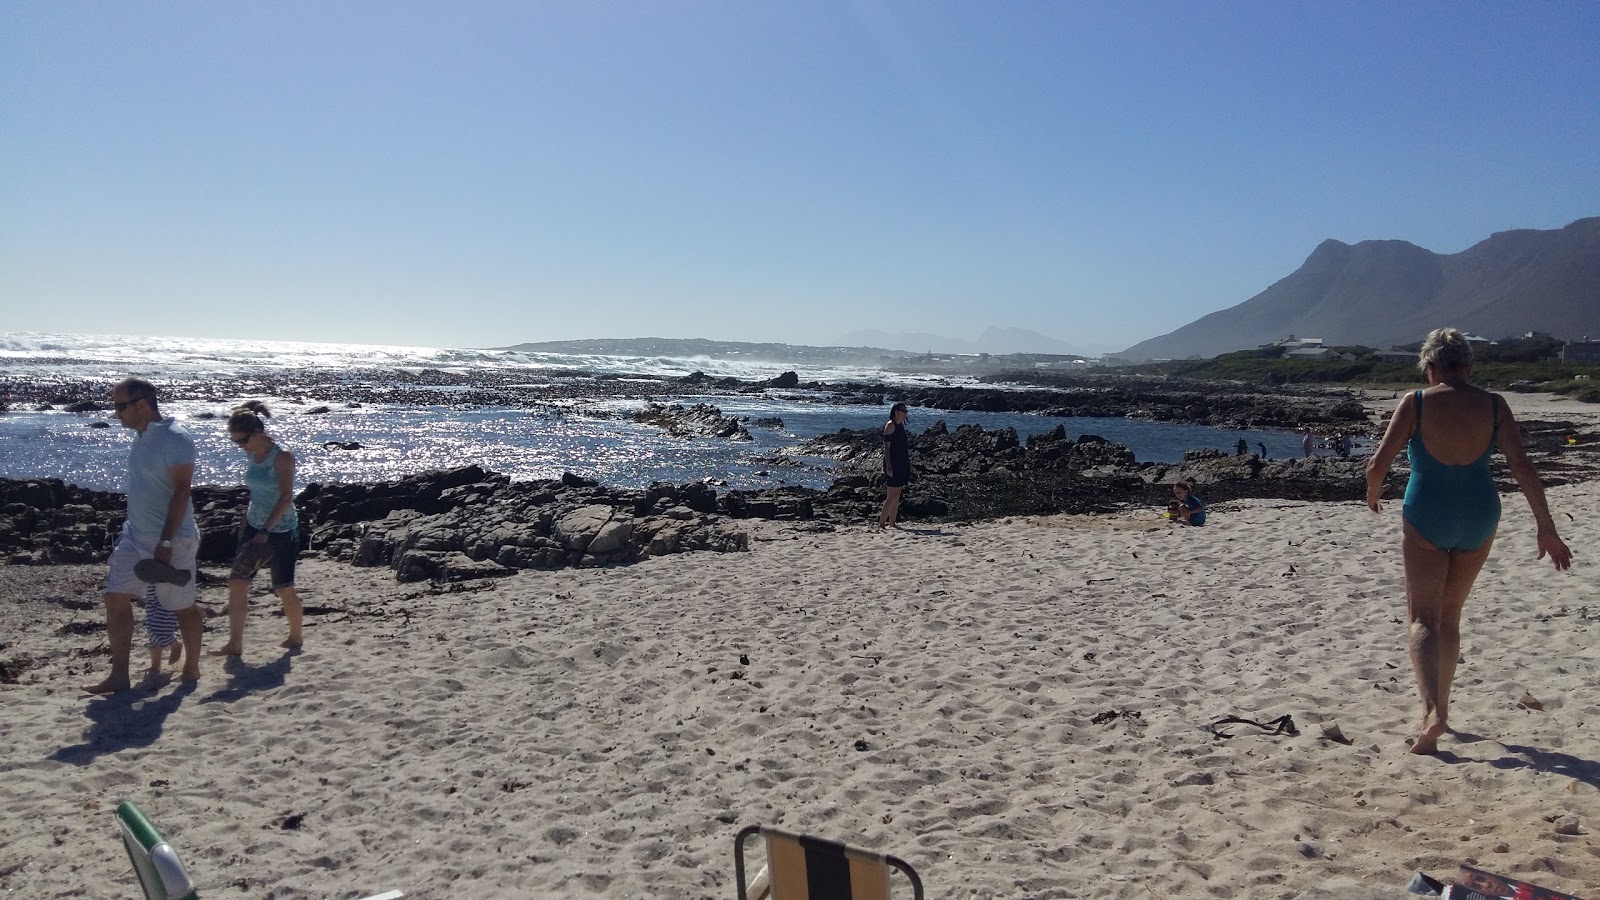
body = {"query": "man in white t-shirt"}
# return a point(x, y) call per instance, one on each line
point(160, 527)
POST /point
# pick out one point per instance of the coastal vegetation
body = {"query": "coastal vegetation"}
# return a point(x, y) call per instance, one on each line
point(1528, 364)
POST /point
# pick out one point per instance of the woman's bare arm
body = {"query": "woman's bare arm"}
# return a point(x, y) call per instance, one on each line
point(1510, 442)
point(888, 458)
point(1401, 424)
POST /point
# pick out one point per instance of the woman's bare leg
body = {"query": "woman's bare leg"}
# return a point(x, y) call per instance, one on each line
point(1464, 568)
point(238, 608)
point(292, 611)
point(891, 505)
point(1427, 568)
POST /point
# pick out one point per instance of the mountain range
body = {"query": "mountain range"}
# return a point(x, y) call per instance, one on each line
point(1383, 293)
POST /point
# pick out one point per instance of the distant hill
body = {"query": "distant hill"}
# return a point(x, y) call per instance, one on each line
point(1379, 293)
point(998, 341)
point(689, 348)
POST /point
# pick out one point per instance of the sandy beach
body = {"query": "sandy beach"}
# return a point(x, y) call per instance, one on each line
point(1018, 708)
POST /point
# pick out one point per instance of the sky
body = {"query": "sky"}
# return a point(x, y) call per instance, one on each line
point(483, 173)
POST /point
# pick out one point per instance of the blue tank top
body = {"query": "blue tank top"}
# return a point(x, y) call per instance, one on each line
point(262, 480)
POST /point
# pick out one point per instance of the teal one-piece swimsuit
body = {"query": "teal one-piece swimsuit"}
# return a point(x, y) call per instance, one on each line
point(1452, 507)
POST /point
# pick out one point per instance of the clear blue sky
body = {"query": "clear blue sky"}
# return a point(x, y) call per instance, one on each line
point(482, 173)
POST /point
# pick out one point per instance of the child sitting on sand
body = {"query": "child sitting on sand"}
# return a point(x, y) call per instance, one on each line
point(162, 624)
point(1188, 508)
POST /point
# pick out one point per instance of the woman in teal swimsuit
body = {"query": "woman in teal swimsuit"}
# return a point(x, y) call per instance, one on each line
point(1451, 509)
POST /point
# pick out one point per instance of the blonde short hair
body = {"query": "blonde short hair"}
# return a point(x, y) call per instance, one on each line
point(1446, 349)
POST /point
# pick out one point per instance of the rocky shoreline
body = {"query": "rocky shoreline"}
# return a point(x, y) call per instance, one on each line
point(1221, 405)
point(467, 522)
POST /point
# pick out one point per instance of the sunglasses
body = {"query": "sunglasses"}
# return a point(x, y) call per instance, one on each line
point(241, 441)
point(120, 405)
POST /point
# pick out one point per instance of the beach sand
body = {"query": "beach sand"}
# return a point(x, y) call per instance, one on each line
point(932, 693)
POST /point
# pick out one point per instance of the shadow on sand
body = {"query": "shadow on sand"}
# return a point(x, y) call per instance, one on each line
point(1548, 761)
point(120, 721)
point(245, 679)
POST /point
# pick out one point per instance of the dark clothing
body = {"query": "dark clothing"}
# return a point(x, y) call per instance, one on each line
point(897, 464)
point(281, 550)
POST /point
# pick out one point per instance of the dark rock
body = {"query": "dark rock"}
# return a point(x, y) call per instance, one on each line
point(699, 420)
point(785, 380)
point(924, 507)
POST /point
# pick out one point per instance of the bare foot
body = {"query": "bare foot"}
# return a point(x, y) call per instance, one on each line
point(176, 654)
point(226, 650)
point(191, 673)
point(293, 643)
point(112, 685)
point(1427, 740)
point(154, 678)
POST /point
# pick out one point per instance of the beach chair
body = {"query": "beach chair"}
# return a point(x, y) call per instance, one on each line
point(801, 867)
point(161, 872)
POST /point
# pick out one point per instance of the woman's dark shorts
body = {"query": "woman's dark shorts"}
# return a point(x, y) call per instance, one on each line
point(281, 550)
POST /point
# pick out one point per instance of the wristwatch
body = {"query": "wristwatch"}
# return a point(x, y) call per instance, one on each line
point(167, 544)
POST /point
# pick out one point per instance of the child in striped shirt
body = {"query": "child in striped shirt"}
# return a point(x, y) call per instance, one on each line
point(162, 624)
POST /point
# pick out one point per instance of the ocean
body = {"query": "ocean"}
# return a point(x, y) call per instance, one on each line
point(590, 437)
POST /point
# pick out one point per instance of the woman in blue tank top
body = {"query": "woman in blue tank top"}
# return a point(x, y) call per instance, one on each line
point(1451, 510)
point(271, 532)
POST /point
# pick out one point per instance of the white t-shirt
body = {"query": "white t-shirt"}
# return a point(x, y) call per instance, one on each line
point(156, 450)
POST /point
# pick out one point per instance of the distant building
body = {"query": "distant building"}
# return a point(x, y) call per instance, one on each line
point(1395, 355)
point(1581, 353)
point(1291, 343)
point(1309, 352)
point(1476, 341)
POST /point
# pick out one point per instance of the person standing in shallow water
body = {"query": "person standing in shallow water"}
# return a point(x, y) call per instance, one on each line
point(1451, 510)
point(160, 527)
point(271, 534)
point(896, 463)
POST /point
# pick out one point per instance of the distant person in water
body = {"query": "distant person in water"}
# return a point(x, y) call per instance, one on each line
point(271, 534)
point(1190, 510)
point(1307, 442)
point(1241, 448)
point(896, 463)
point(159, 539)
point(1262, 446)
point(1451, 510)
